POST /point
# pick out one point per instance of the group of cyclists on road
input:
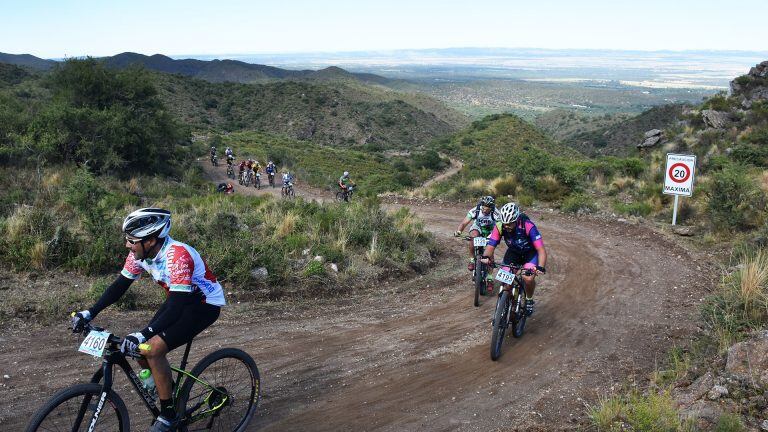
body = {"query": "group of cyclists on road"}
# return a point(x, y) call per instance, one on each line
point(249, 170)
point(194, 296)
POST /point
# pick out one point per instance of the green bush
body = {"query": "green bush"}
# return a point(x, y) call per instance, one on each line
point(578, 203)
point(734, 202)
point(634, 209)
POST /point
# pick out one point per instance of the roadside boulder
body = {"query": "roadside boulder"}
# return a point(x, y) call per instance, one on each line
point(715, 119)
point(748, 361)
point(685, 397)
point(260, 274)
point(652, 137)
point(683, 230)
point(704, 413)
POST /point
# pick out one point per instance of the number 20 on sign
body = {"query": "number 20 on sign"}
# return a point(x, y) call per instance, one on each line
point(678, 178)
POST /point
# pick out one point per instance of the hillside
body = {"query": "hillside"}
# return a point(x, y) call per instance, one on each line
point(563, 124)
point(621, 137)
point(332, 113)
point(27, 60)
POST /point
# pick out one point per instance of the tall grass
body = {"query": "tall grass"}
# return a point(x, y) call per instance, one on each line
point(740, 304)
point(637, 412)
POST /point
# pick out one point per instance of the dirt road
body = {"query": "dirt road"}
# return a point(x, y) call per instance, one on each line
point(414, 355)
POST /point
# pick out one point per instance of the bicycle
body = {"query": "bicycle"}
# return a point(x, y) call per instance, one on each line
point(287, 191)
point(246, 178)
point(510, 306)
point(230, 172)
point(222, 391)
point(345, 194)
point(257, 181)
point(214, 160)
point(271, 179)
point(480, 273)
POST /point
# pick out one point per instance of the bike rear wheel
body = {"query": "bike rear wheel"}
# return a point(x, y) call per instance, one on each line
point(340, 196)
point(230, 400)
point(72, 409)
point(500, 323)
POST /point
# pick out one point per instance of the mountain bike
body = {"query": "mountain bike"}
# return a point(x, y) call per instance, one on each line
point(247, 175)
point(214, 160)
point(480, 273)
point(230, 172)
point(287, 191)
point(510, 306)
point(271, 179)
point(345, 194)
point(257, 181)
point(221, 392)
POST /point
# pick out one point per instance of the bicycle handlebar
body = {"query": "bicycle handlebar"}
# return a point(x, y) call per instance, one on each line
point(113, 340)
point(519, 269)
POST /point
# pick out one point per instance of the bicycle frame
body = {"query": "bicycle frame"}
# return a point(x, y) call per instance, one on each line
point(115, 357)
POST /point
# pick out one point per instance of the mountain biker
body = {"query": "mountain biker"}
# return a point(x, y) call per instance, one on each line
point(287, 180)
point(346, 184)
point(228, 152)
point(230, 159)
point(193, 299)
point(524, 247)
point(270, 169)
point(213, 152)
point(482, 217)
point(226, 188)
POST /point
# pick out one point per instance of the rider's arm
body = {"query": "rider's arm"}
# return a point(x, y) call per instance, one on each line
point(464, 224)
point(111, 294)
point(493, 240)
point(538, 242)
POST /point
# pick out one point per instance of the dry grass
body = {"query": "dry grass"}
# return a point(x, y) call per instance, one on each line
point(505, 186)
point(620, 184)
point(286, 225)
point(133, 186)
point(17, 225)
point(764, 181)
point(373, 255)
point(752, 282)
point(38, 255)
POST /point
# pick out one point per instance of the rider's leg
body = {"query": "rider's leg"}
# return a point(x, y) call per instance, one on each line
point(161, 369)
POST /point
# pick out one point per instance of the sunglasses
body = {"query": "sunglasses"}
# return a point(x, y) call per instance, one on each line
point(132, 241)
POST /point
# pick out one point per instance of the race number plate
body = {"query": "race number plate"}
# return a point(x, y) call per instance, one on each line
point(94, 343)
point(505, 277)
point(480, 241)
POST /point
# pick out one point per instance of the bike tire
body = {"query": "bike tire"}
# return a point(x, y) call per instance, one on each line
point(500, 323)
point(479, 280)
point(53, 416)
point(340, 196)
point(519, 315)
point(215, 368)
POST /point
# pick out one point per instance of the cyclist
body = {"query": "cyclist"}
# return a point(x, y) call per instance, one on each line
point(346, 184)
point(193, 302)
point(226, 188)
point(271, 170)
point(228, 152)
point(287, 181)
point(524, 247)
point(213, 152)
point(483, 217)
point(230, 159)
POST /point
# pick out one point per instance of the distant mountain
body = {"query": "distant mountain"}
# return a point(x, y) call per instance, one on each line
point(234, 70)
point(27, 60)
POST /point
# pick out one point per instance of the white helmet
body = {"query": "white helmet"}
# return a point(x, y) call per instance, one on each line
point(509, 213)
point(346, 173)
point(147, 222)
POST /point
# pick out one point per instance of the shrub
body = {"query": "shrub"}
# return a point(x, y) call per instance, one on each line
point(505, 185)
point(734, 202)
point(634, 209)
point(578, 203)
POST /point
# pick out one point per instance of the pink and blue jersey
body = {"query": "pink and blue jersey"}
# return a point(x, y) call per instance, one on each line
point(178, 267)
point(524, 239)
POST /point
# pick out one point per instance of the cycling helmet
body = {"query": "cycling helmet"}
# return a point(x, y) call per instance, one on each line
point(509, 213)
point(147, 223)
point(346, 173)
point(488, 201)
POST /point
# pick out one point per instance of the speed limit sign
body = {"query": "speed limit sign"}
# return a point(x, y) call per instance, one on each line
point(678, 179)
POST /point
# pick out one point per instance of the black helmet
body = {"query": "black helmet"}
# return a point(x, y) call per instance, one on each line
point(147, 223)
point(488, 201)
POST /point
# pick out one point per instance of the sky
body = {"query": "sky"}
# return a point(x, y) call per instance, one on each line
point(55, 29)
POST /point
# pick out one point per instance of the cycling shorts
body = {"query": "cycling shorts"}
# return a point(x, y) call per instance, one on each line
point(527, 260)
point(485, 232)
point(194, 319)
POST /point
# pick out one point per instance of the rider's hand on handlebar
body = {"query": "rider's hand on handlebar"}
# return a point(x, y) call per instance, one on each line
point(457, 234)
point(131, 342)
point(487, 260)
point(79, 320)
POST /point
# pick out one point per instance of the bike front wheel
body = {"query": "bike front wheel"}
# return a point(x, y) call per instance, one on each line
point(73, 409)
point(518, 314)
point(225, 393)
point(500, 323)
point(479, 281)
point(339, 196)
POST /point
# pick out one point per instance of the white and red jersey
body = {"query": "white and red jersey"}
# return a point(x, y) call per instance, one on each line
point(178, 267)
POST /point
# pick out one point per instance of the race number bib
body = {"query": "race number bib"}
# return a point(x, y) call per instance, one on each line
point(505, 277)
point(94, 343)
point(480, 241)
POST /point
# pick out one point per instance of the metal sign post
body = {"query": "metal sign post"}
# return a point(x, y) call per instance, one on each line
point(678, 178)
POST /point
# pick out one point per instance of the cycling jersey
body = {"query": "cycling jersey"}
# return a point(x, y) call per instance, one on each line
point(482, 222)
point(287, 179)
point(178, 267)
point(270, 169)
point(522, 240)
point(344, 181)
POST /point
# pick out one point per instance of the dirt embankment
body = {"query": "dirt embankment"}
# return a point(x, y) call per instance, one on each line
point(415, 355)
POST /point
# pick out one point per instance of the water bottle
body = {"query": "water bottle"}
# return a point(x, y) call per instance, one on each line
point(145, 375)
